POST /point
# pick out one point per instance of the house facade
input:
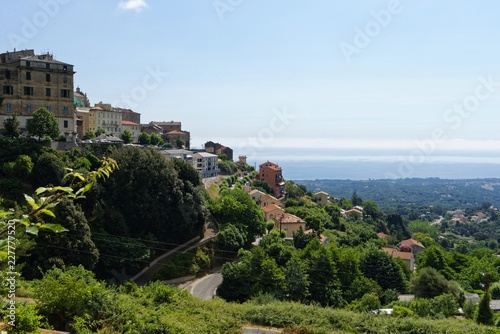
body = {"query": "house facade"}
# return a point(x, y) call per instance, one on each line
point(272, 174)
point(105, 117)
point(289, 223)
point(206, 164)
point(30, 82)
point(272, 211)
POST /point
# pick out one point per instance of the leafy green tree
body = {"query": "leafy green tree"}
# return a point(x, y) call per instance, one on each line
point(418, 226)
point(61, 250)
point(261, 184)
point(293, 190)
point(297, 282)
point(127, 137)
point(230, 238)
point(74, 292)
point(381, 267)
point(99, 131)
point(155, 139)
point(180, 143)
point(89, 134)
point(436, 257)
point(371, 209)
point(236, 207)
point(152, 198)
point(43, 124)
point(483, 314)
point(11, 127)
point(144, 138)
point(367, 303)
point(48, 170)
point(428, 283)
point(23, 166)
point(239, 280)
point(355, 199)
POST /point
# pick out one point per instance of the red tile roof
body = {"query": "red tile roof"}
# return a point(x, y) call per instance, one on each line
point(397, 254)
point(412, 242)
point(271, 207)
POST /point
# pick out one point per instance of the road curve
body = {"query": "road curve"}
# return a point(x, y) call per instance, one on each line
point(205, 287)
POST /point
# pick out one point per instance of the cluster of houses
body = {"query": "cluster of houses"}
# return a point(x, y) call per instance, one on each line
point(32, 81)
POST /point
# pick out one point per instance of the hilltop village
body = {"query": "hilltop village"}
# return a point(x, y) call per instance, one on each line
point(109, 225)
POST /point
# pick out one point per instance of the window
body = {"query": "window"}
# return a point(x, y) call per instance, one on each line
point(28, 90)
point(65, 110)
point(8, 90)
point(49, 108)
point(47, 66)
point(47, 77)
point(7, 74)
point(8, 107)
point(28, 64)
point(65, 124)
point(47, 91)
point(64, 92)
point(29, 108)
point(65, 78)
point(28, 75)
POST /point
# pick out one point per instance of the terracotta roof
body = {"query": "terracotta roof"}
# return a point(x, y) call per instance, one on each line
point(353, 211)
point(271, 207)
point(412, 242)
point(397, 254)
point(176, 132)
point(129, 123)
point(382, 235)
point(321, 193)
point(268, 197)
point(288, 218)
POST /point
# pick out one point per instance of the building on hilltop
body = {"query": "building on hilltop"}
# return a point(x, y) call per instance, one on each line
point(129, 115)
point(206, 164)
point(80, 99)
point(105, 117)
point(272, 174)
point(217, 148)
point(169, 131)
point(30, 82)
point(289, 223)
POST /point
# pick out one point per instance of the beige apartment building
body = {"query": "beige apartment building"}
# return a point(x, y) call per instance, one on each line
point(29, 82)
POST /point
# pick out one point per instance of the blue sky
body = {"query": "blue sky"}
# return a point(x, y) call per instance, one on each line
point(283, 73)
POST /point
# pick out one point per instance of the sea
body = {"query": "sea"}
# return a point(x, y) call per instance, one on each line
point(342, 164)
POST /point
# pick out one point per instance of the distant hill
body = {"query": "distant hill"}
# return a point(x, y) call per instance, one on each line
point(398, 194)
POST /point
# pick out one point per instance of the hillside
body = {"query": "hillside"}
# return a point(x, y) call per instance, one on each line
point(394, 195)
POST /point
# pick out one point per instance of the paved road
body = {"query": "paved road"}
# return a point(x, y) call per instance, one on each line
point(205, 287)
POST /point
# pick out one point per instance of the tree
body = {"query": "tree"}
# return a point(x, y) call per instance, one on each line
point(484, 314)
point(428, 283)
point(127, 137)
point(63, 295)
point(144, 138)
point(48, 170)
point(180, 143)
point(230, 238)
point(89, 134)
point(381, 267)
point(68, 249)
point(371, 209)
point(11, 126)
point(43, 124)
point(99, 131)
point(155, 139)
point(355, 199)
point(261, 184)
point(23, 166)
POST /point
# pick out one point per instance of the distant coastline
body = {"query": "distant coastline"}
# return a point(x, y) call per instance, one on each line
point(312, 164)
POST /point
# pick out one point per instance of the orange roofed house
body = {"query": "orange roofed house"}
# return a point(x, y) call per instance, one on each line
point(272, 174)
point(289, 223)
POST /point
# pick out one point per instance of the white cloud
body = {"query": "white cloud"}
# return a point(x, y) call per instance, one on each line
point(137, 5)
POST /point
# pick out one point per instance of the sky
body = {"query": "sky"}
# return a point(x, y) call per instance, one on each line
point(413, 75)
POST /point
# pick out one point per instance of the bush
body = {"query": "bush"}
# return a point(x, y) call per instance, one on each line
point(27, 319)
point(401, 311)
point(368, 302)
point(469, 308)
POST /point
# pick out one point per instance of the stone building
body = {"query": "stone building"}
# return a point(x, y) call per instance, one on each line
point(217, 148)
point(30, 82)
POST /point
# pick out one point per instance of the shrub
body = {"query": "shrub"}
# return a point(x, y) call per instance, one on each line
point(469, 308)
point(401, 311)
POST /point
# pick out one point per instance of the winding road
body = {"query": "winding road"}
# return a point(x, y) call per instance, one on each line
point(205, 287)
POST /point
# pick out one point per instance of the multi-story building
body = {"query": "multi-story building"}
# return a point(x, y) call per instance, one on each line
point(30, 82)
point(206, 164)
point(272, 174)
point(130, 115)
point(217, 148)
point(133, 128)
point(104, 116)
